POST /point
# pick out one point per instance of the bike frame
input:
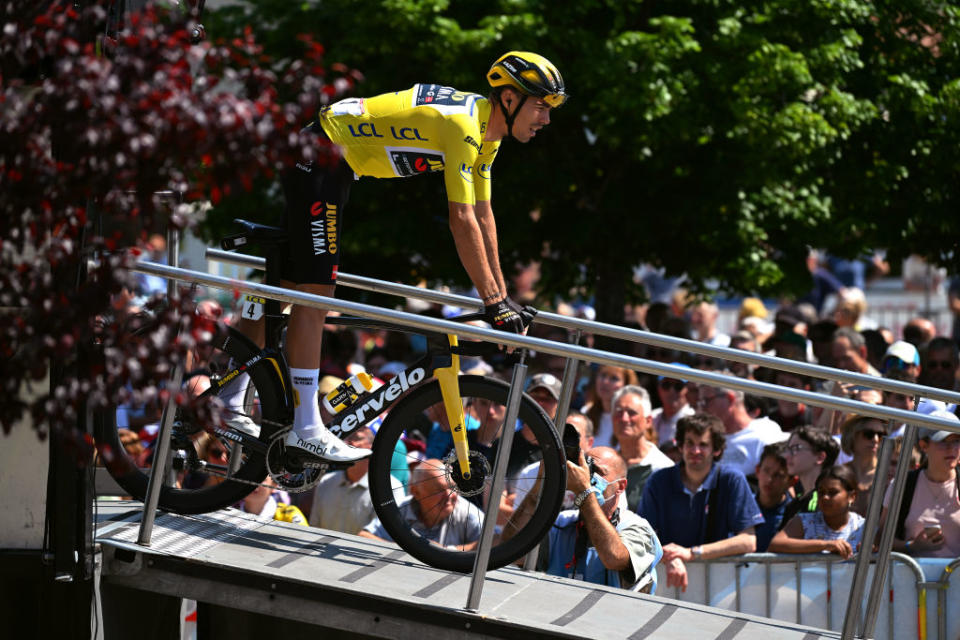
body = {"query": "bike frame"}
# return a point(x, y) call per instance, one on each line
point(440, 362)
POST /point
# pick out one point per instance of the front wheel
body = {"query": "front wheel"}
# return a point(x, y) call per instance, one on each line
point(440, 517)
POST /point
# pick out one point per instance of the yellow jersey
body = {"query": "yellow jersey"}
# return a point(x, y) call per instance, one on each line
point(424, 129)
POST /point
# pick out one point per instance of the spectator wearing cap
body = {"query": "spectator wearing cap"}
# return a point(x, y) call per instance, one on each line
point(903, 356)
point(928, 523)
point(745, 436)
point(938, 366)
point(673, 406)
point(544, 388)
point(700, 509)
point(703, 321)
point(529, 475)
point(631, 423)
point(341, 501)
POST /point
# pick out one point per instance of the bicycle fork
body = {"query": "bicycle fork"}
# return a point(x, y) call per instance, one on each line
point(453, 404)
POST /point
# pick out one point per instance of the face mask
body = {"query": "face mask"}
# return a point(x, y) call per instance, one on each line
point(600, 484)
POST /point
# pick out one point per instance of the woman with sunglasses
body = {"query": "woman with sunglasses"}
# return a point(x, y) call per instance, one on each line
point(674, 405)
point(860, 438)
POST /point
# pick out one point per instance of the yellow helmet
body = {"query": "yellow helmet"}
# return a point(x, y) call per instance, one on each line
point(529, 73)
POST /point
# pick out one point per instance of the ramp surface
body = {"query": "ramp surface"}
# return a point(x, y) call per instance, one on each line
point(339, 581)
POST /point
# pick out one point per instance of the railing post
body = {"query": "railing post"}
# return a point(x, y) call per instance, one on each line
point(889, 526)
point(161, 455)
point(852, 617)
point(499, 472)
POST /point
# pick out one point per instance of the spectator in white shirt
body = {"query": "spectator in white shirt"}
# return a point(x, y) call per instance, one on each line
point(631, 422)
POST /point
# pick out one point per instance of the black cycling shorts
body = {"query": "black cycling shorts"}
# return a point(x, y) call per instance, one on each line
point(315, 197)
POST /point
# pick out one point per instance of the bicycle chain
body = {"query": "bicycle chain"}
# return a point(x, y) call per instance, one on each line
point(277, 477)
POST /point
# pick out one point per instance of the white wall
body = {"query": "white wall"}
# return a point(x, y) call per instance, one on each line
point(24, 461)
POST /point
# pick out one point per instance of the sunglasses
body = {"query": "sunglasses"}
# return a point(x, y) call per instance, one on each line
point(941, 364)
point(870, 434)
point(895, 363)
point(676, 385)
point(554, 99)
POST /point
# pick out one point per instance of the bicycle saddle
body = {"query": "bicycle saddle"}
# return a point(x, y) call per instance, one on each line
point(253, 232)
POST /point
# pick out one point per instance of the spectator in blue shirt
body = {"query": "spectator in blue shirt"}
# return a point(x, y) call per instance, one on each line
point(700, 509)
point(773, 482)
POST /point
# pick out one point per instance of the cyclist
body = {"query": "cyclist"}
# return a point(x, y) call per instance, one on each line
point(427, 128)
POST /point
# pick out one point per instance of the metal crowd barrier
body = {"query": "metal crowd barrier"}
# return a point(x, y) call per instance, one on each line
point(943, 588)
point(814, 589)
point(807, 589)
point(577, 353)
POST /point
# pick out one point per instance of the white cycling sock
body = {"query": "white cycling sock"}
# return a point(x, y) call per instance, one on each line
point(234, 394)
point(306, 415)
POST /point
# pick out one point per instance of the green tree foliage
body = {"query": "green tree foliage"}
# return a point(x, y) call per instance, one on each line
point(712, 137)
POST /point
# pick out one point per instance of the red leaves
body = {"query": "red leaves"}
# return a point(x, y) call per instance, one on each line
point(145, 112)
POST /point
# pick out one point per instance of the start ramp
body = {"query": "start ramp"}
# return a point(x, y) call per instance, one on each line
point(249, 574)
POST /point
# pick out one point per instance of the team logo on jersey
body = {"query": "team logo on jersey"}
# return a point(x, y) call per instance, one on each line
point(364, 130)
point(434, 94)
point(317, 208)
point(484, 170)
point(412, 162)
point(473, 143)
point(466, 172)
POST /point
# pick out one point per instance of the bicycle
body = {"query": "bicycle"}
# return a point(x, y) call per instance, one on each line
point(427, 395)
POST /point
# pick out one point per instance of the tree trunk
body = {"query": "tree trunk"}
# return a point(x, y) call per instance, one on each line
point(610, 299)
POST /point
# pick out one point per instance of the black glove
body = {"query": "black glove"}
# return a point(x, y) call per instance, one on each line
point(525, 312)
point(507, 315)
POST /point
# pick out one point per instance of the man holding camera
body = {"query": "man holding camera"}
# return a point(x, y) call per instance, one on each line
point(597, 541)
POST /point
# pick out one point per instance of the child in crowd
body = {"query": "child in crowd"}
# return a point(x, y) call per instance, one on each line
point(834, 527)
point(773, 483)
point(808, 451)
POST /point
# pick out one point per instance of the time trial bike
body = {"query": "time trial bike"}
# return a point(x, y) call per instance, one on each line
point(429, 397)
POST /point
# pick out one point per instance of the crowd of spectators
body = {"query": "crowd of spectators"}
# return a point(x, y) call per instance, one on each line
point(680, 472)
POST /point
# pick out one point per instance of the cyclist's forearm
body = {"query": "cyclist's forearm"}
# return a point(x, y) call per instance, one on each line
point(488, 227)
point(471, 248)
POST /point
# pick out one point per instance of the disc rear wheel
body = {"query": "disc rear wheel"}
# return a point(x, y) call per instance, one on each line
point(210, 469)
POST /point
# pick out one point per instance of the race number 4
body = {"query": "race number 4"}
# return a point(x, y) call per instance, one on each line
point(253, 307)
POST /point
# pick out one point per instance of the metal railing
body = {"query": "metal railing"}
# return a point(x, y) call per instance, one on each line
point(622, 333)
point(820, 602)
point(576, 352)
